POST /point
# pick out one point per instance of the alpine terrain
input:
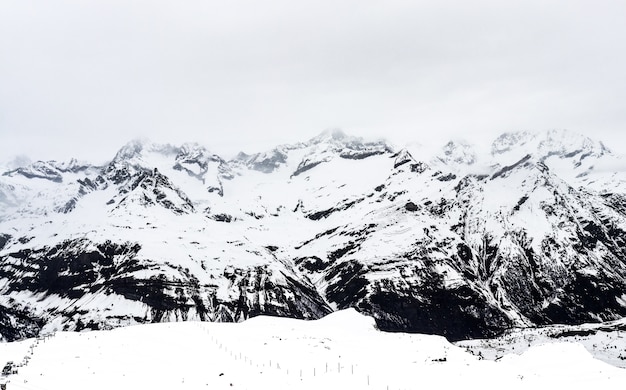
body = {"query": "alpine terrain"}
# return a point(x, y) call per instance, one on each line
point(464, 242)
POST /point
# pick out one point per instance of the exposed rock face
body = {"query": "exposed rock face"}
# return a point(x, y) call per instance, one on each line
point(466, 245)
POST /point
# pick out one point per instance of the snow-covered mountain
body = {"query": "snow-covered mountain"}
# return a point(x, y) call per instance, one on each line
point(460, 242)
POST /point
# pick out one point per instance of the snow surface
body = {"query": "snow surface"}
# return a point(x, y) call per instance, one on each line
point(605, 341)
point(342, 350)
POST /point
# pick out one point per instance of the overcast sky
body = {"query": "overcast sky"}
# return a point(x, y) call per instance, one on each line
point(80, 78)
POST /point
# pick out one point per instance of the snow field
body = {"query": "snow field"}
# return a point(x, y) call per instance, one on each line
point(343, 350)
point(607, 346)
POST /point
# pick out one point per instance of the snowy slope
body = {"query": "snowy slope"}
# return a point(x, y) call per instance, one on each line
point(463, 242)
point(604, 342)
point(275, 353)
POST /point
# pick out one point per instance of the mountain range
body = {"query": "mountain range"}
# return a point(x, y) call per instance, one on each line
point(465, 241)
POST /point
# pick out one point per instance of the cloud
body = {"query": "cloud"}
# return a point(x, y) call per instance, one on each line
point(83, 77)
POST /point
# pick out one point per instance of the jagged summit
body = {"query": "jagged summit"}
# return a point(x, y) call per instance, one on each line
point(331, 135)
point(338, 140)
point(266, 162)
point(507, 141)
point(339, 136)
point(131, 149)
point(458, 152)
point(197, 161)
point(561, 143)
point(403, 157)
point(328, 145)
point(569, 153)
point(140, 147)
point(49, 170)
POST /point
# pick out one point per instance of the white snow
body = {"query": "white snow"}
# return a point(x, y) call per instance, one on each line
point(341, 351)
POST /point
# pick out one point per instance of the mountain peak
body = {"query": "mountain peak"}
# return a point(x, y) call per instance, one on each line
point(338, 138)
point(196, 152)
point(458, 152)
point(568, 141)
point(139, 146)
point(560, 142)
point(49, 170)
point(403, 157)
point(509, 140)
point(131, 149)
point(330, 135)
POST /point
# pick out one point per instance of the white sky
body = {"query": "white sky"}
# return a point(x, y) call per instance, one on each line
point(80, 78)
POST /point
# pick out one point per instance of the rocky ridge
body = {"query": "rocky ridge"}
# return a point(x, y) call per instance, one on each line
point(462, 244)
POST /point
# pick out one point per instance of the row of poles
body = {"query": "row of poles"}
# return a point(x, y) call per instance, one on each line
point(27, 357)
point(309, 372)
